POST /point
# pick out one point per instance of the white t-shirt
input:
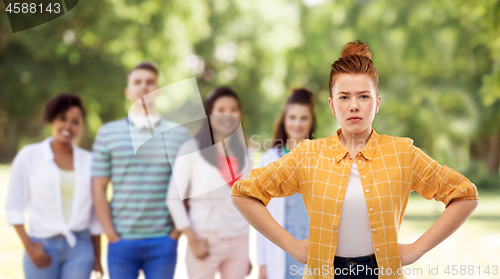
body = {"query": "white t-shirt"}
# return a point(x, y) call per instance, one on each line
point(210, 207)
point(354, 237)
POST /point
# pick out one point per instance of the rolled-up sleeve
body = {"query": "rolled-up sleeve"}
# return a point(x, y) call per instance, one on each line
point(278, 179)
point(18, 192)
point(439, 182)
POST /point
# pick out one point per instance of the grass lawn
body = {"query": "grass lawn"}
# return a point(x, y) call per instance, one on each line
point(475, 244)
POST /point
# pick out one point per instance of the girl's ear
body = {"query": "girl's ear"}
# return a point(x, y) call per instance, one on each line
point(330, 104)
point(378, 104)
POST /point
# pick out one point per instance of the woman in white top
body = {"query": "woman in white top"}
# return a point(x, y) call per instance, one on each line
point(296, 123)
point(51, 181)
point(204, 171)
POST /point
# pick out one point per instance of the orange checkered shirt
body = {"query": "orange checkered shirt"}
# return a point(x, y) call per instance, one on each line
point(389, 167)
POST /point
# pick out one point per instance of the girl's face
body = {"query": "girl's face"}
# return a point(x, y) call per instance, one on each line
point(223, 107)
point(298, 121)
point(67, 126)
point(354, 102)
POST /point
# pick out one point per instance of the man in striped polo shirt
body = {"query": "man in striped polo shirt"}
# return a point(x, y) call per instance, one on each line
point(137, 222)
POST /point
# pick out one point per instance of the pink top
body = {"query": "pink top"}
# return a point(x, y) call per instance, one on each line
point(230, 176)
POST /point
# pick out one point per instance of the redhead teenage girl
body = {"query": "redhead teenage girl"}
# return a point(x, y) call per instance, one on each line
point(355, 185)
point(296, 123)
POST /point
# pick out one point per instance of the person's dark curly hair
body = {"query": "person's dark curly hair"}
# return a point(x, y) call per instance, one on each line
point(60, 104)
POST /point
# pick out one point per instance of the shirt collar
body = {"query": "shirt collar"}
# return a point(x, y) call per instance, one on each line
point(140, 121)
point(48, 155)
point(368, 150)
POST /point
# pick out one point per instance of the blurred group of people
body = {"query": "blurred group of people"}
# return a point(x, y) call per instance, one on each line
point(64, 190)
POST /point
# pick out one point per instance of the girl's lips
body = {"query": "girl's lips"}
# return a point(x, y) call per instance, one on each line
point(354, 120)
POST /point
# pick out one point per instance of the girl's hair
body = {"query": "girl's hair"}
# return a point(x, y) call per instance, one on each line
point(355, 58)
point(299, 96)
point(205, 137)
point(60, 104)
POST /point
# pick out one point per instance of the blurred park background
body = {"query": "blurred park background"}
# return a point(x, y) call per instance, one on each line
point(438, 62)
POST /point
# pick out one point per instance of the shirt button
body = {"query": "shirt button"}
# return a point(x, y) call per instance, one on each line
point(373, 230)
point(367, 190)
point(364, 176)
point(371, 209)
point(359, 161)
point(377, 249)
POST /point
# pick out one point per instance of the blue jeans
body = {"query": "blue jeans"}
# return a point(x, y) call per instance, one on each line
point(364, 267)
point(155, 256)
point(67, 262)
point(297, 224)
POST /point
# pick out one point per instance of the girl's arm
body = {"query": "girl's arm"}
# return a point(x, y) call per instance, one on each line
point(258, 216)
point(18, 197)
point(278, 179)
point(451, 219)
point(441, 183)
point(178, 191)
point(96, 241)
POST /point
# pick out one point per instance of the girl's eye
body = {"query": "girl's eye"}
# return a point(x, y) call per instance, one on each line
point(342, 98)
point(365, 96)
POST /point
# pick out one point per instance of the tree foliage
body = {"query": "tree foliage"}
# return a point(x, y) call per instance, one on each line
point(438, 62)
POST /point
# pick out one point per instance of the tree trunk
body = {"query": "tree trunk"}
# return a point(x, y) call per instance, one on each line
point(492, 153)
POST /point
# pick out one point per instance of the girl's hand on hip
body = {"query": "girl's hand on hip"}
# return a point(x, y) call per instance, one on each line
point(300, 250)
point(409, 253)
point(38, 256)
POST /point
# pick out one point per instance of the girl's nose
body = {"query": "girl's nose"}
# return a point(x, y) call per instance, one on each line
point(354, 106)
